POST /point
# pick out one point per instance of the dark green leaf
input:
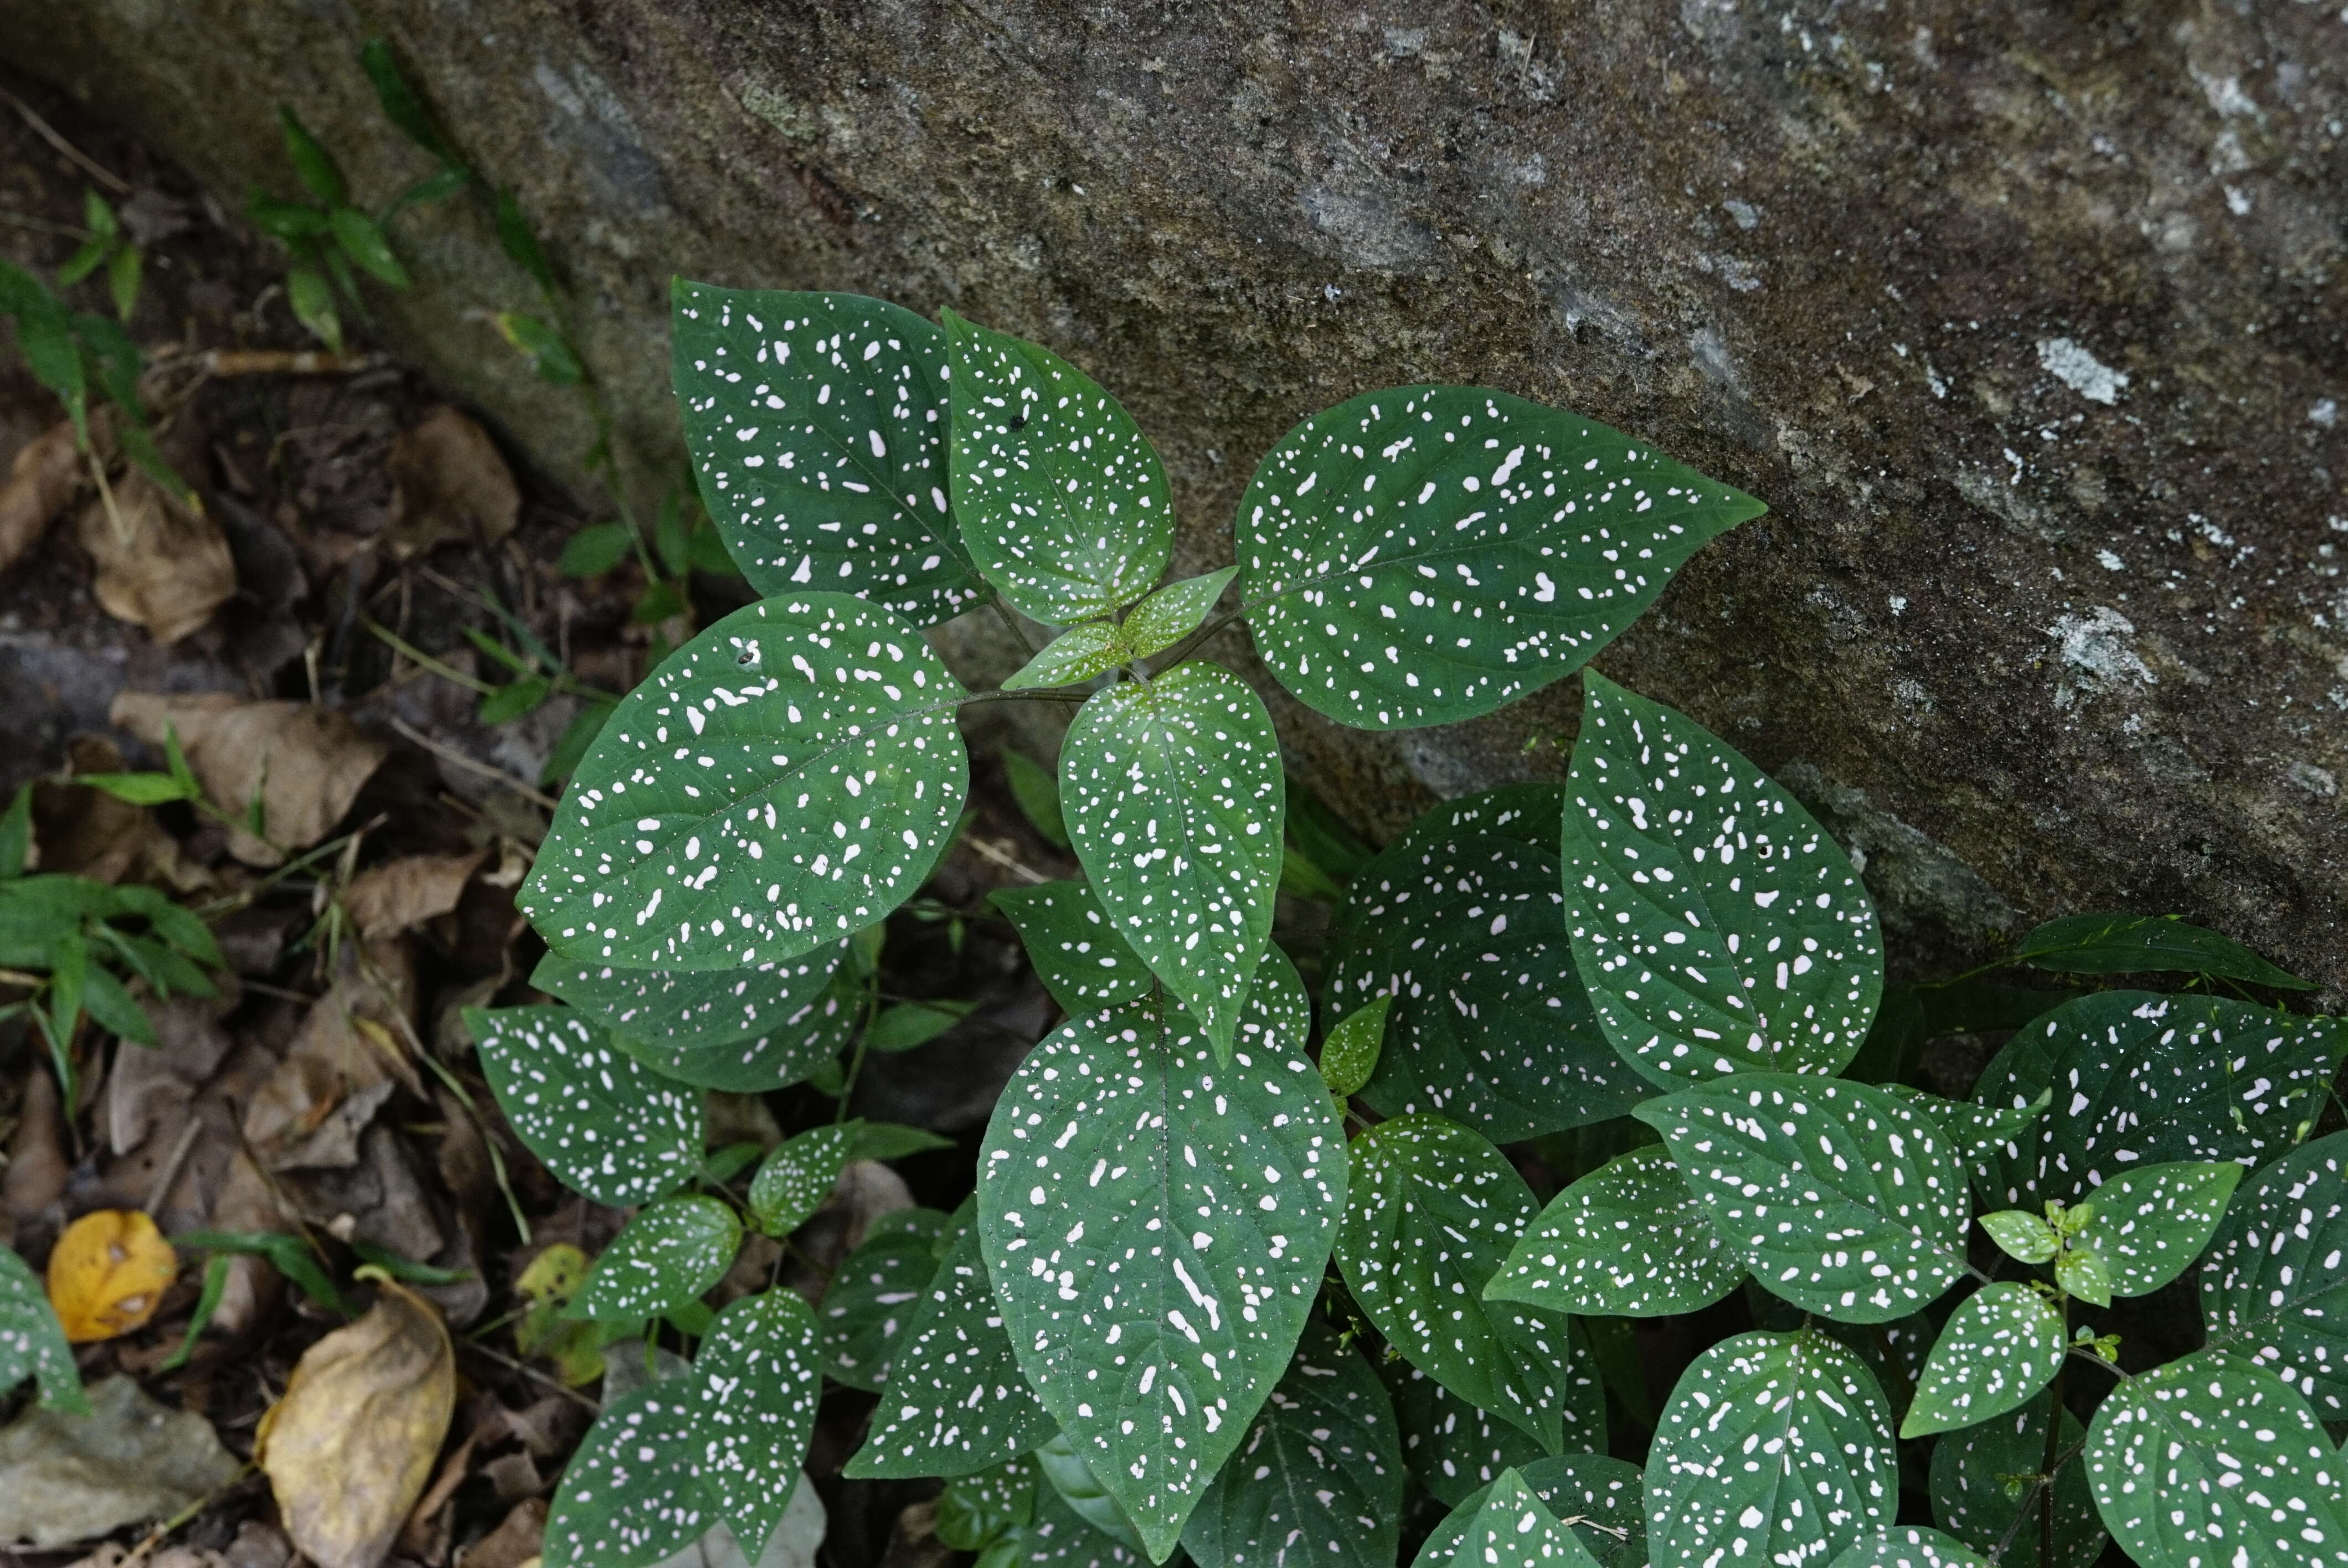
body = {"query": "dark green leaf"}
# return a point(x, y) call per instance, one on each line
point(2151, 1221)
point(892, 1141)
point(789, 776)
point(606, 1126)
point(16, 835)
point(633, 1494)
point(1350, 1055)
point(873, 1297)
point(1718, 928)
point(1628, 1240)
point(1908, 1546)
point(32, 1342)
point(114, 1010)
point(910, 1024)
point(1062, 500)
point(1426, 554)
point(798, 1175)
point(1457, 921)
point(520, 241)
point(1976, 1492)
point(1068, 1475)
point(1455, 1449)
point(364, 243)
point(44, 337)
point(313, 303)
point(595, 550)
point(312, 161)
point(665, 1256)
point(1512, 1528)
point(217, 1270)
point(2121, 943)
point(289, 1256)
point(760, 1377)
point(287, 220)
point(511, 701)
point(551, 354)
point(743, 1031)
point(1599, 1498)
point(2002, 1345)
point(1174, 612)
point(402, 106)
point(1077, 953)
point(1323, 837)
point(86, 261)
point(138, 789)
point(1037, 793)
point(976, 1510)
point(2274, 1288)
point(1077, 654)
point(1060, 1537)
point(1974, 1132)
point(407, 1271)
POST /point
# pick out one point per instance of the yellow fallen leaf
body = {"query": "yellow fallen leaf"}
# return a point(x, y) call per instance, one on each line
point(108, 1274)
point(575, 1346)
point(350, 1447)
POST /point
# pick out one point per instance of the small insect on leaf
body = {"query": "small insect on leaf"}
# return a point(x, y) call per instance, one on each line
point(108, 1274)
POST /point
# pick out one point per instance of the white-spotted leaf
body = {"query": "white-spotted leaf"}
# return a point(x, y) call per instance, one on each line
point(1060, 1537)
point(2000, 1345)
point(761, 1377)
point(1908, 1546)
point(1066, 1472)
point(32, 1341)
point(786, 779)
point(1460, 922)
point(1077, 952)
point(1717, 927)
point(741, 1030)
point(1174, 612)
point(1434, 1210)
point(1079, 653)
point(1175, 799)
point(1841, 1198)
point(817, 423)
point(1063, 501)
point(1601, 1499)
point(1628, 1240)
point(2274, 1287)
point(666, 1256)
point(604, 1124)
point(1426, 554)
point(1512, 1528)
point(632, 1494)
point(797, 1175)
point(1456, 1449)
point(2023, 1235)
point(1156, 1225)
point(1775, 1448)
point(1975, 1496)
point(2151, 1221)
point(1973, 1131)
point(873, 1296)
point(1350, 1055)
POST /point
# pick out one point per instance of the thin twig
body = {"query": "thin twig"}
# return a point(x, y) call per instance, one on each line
point(527, 1371)
point(448, 754)
point(446, 672)
point(169, 1177)
point(227, 362)
point(73, 154)
point(1005, 859)
point(157, 1536)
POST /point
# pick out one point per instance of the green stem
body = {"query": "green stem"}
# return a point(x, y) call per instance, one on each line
point(1011, 623)
point(446, 671)
point(863, 1042)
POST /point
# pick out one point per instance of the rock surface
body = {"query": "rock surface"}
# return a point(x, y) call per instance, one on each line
point(2025, 321)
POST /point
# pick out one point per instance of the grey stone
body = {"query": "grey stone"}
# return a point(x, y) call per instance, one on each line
point(65, 1479)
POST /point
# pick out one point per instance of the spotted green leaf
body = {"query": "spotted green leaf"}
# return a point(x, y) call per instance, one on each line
point(604, 1124)
point(1350, 1055)
point(956, 1400)
point(1459, 922)
point(741, 1030)
point(975, 1511)
point(665, 1256)
point(1974, 1132)
point(2274, 1288)
point(797, 1175)
point(1975, 1495)
point(1079, 653)
point(632, 1494)
point(2150, 1220)
point(1077, 954)
point(817, 425)
point(2121, 943)
point(2002, 1345)
point(2082, 1273)
point(1433, 1212)
point(2140, 1079)
point(1063, 501)
point(1454, 1448)
point(1060, 1537)
point(1907, 1546)
point(1717, 925)
point(1426, 554)
point(761, 1377)
point(32, 1341)
point(1175, 799)
point(873, 1296)
point(1841, 1198)
point(786, 778)
point(1317, 1479)
point(1512, 1528)
point(1628, 1240)
point(1174, 612)
point(1601, 1500)
point(1066, 1472)
point(2208, 1460)
point(1156, 1225)
point(2022, 1235)
point(1775, 1447)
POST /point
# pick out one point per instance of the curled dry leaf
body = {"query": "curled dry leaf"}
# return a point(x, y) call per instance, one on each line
point(449, 483)
point(348, 1450)
point(306, 764)
point(42, 479)
point(108, 1274)
point(389, 899)
point(344, 1063)
point(161, 564)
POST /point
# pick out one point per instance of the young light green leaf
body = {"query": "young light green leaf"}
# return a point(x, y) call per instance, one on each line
point(818, 424)
point(1458, 920)
point(1433, 1212)
point(2140, 1078)
point(906, 1025)
point(797, 1175)
point(32, 1341)
point(1063, 501)
point(312, 161)
point(1976, 1490)
point(1037, 794)
point(1066, 1474)
point(1775, 1447)
point(2151, 1221)
point(2022, 1235)
point(1907, 1546)
point(1079, 653)
point(605, 1125)
point(1319, 1478)
point(1841, 1199)
point(761, 1377)
point(1176, 802)
point(1628, 1240)
point(956, 1400)
point(1350, 1055)
point(632, 1493)
point(873, 1297)
point(2001, 1347)
point(1718, 926)
point(2274, 1288)
point(2208, 1460)
point(742, 1031)
point(1155, 1225)
point(1973, 1131)
point(1601, 1499)
point(2083, 1274)
point(1426, 554)
point(1512, 1528)
point(2120, 943)
point(364, 243)
point(1077, 954)
point(788, 776)
point(892, 1141)
point(976, 1510)
point(665, 1256)
point(1174, 612)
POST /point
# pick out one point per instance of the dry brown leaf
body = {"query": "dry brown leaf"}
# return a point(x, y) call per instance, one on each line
point(90, 834)
point(389, 899)
point(108, 1274)
point(514, 1542)
point(307, 764)
point(37, 1167)
point(349, 1448)
point(449, 483)
point(161, 564)
point(42, 479)
point(343, 1065)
